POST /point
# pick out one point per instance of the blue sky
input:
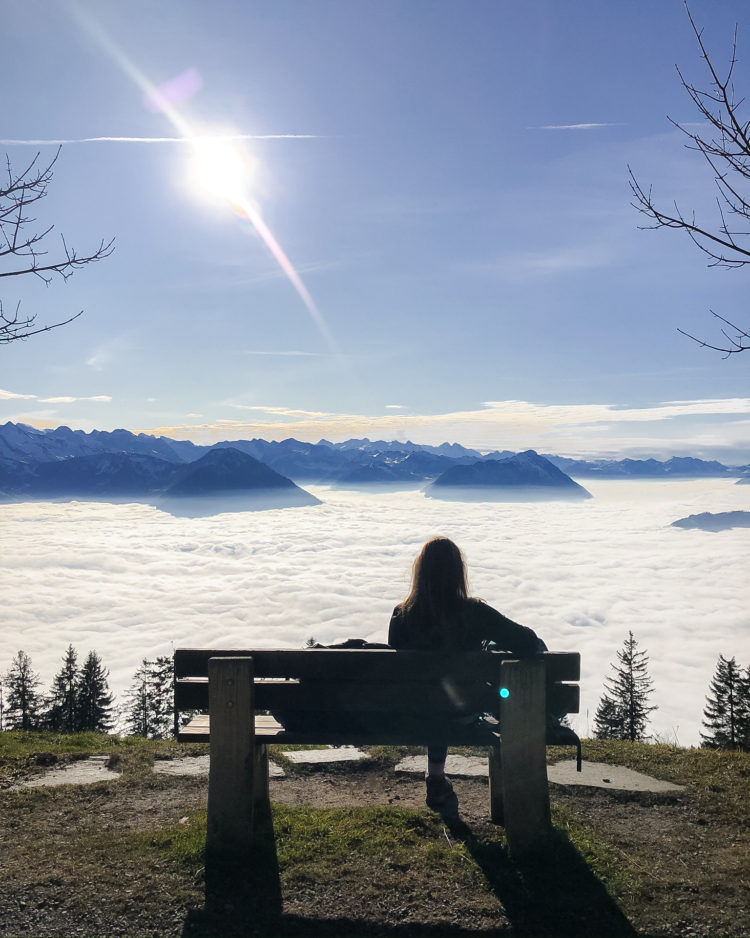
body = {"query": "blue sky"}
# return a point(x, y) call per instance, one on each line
point(449, 183)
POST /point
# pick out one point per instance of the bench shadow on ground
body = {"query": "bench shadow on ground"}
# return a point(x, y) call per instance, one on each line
point(550, 894)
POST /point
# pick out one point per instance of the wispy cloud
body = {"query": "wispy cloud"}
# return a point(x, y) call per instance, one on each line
point(98, 398)
point(589, 126)
point(63, 399)
point(59, 141)
point(285, 411)
point(665, 428)
point(292, 353)
point(14, 396)
point(520, 265)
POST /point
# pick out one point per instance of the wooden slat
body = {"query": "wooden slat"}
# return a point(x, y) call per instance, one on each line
point(356, 696)
point(372, 664)
point(268, 730)
point(563, 665)
point(192, 694)
point(563, 698)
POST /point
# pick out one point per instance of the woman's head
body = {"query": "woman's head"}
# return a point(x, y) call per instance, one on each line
point(438, 582)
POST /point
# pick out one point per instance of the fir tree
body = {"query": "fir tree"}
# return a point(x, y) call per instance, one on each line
point(727, 712)
point(23, 702)
point(623, 710)
point(94, 701)
point(150, 709)
point(61, 704)
point(609, 722)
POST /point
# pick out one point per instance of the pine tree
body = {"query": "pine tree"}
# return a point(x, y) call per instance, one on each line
point(623, 710)
point(727, 712)
point(60, 714)
point(150, 709)
point(609, 722)
point(745, 727)
point(23, 702)
point(94, 701)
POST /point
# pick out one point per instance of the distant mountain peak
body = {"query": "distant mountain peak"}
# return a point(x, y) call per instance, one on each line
point(525, 475)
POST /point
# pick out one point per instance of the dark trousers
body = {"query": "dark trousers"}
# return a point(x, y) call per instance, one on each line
point(437, 753)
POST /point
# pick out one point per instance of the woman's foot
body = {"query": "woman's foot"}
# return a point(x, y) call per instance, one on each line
point(440, 795)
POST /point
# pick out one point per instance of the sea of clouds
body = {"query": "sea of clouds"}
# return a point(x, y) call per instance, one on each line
point(132, 581)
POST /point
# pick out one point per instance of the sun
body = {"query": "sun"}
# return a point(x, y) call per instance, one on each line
point(219, 170)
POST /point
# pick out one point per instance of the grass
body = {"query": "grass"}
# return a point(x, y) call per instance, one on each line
point(620, 877)
point(719, 778)
point(314, 844)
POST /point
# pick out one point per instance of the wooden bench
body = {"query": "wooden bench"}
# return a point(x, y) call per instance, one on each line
point(418, 698)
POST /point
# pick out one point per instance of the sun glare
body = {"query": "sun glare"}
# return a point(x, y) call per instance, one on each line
point(219, 171)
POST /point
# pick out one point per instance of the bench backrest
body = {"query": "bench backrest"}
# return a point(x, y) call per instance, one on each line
point(375, 680)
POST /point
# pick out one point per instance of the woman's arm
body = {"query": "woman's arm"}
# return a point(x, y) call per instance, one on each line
point(397, 635)
point(507, 634)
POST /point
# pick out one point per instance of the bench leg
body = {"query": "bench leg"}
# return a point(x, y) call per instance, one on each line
point(497, 813)
point(524, 778)
point(260, 776)
point(229, 828)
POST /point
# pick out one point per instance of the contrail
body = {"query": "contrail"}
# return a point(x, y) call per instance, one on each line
point(224, 137)
point(575, 126)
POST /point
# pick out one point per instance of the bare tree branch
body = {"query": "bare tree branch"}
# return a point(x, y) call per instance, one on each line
point(21, 249)
point(726, 151)
point(739, 342)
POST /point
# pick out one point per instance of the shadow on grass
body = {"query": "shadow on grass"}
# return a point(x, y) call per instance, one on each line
point(243, 896)
point(552, 894)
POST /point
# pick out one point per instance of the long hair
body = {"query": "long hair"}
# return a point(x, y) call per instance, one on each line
point(438, 586)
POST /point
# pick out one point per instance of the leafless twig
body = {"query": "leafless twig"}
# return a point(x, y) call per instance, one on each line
point(21, 245)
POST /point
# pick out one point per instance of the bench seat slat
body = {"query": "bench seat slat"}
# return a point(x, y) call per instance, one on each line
point(268, 730)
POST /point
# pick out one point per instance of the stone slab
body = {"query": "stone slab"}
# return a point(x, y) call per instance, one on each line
point(594, 774)
point(317, 756)
point(80, 772)
point(455, 765)
point(601, 775)
point(198, 766)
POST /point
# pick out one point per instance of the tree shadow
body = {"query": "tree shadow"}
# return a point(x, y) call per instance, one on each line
point(550, 893)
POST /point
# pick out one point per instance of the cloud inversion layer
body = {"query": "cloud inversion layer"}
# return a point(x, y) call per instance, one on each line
point(131, 582)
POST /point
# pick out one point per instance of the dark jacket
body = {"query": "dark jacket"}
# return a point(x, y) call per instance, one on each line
point(476, 623)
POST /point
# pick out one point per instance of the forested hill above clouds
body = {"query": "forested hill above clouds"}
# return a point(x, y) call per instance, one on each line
point(353, 462)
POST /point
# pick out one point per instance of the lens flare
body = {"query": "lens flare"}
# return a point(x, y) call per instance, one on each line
point(504, 692)
point(224, 174)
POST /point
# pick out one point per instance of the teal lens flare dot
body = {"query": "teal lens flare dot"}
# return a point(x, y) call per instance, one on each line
point(504, 692)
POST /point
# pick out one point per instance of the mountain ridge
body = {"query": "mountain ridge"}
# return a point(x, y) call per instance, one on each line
point(352, 462)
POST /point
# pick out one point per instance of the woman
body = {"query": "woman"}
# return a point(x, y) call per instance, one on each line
point(439, 614)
